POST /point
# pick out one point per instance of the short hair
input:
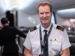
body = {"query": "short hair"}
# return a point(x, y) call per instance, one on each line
point(44, 4)
point(4, 20)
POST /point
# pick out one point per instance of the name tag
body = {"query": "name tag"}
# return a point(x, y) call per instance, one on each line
point(55, 39)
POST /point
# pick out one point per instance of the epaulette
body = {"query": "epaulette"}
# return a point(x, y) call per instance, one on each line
point(60, 28)
point(32, 29)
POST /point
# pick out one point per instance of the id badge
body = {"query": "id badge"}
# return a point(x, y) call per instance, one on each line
point(41, 52)
point(58, 54)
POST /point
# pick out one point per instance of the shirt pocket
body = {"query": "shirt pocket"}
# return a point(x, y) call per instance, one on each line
point(35, 48)
point(56, 46)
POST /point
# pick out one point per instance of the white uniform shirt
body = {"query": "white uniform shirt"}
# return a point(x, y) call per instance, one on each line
point(32, 41)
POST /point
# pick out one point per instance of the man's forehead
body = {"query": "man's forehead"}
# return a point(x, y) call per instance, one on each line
point(44, 8)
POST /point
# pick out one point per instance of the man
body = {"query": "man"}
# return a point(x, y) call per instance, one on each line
point(48, 39)
point(7, 38)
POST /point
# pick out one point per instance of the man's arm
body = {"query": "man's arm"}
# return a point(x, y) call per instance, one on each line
point(19, 32)
point(27, 52)
point(65, 52)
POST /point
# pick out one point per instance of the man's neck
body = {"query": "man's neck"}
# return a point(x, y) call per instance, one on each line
point(5, 24)
point(46, 25)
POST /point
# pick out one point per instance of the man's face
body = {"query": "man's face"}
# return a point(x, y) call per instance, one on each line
point(44, 14)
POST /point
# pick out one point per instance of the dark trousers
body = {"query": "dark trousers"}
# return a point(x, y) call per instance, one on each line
point(10, 54)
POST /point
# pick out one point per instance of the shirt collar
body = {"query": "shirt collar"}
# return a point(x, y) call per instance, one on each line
point(4, 26)
point(42, 28)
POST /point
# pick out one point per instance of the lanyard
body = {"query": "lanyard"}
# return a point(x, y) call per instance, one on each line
point(42, 46)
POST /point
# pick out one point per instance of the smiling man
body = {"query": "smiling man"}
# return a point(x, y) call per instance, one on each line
point(48, 39)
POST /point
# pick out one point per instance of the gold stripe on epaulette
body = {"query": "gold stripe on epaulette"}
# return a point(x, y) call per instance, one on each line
point(31, 29)
point(61, 28)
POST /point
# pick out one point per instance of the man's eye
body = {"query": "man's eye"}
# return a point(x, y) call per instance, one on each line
point(47, 12)
point(41, 13)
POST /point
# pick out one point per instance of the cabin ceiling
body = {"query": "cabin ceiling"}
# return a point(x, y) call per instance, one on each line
point(32, 6)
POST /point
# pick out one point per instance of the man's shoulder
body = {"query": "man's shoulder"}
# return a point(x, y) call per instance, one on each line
point(34, 28)
point(0, 30)
point(58, 27)
point(11, 27)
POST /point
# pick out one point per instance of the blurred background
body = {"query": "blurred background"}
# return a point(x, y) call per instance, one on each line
point(22, 14)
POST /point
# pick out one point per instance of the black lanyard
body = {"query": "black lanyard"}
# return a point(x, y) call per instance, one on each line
point(42, 46)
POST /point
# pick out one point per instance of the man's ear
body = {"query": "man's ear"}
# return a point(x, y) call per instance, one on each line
point(51, 14)
point(8, 22)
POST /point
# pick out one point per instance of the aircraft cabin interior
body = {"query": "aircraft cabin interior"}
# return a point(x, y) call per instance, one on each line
point(22, 14)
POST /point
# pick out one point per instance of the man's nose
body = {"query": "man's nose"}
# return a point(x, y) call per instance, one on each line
point(44, 15)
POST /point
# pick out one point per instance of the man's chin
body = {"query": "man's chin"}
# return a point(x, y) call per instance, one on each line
point(44, 23)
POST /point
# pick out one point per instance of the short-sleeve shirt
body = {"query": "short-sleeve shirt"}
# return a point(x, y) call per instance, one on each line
point(57, 41)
